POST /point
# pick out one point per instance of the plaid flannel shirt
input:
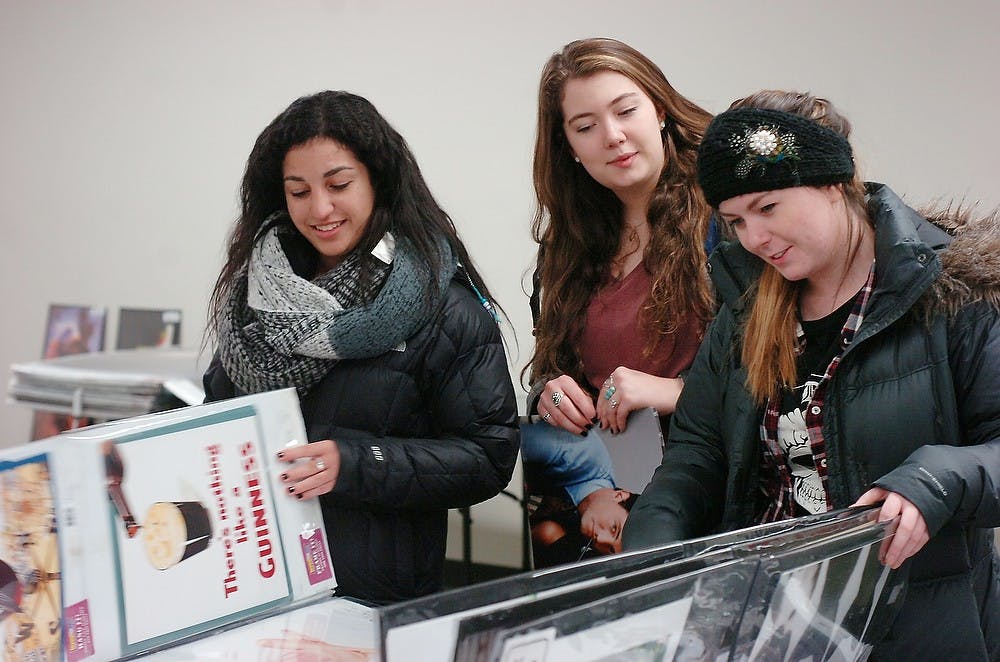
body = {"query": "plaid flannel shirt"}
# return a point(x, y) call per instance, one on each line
point(776, 476)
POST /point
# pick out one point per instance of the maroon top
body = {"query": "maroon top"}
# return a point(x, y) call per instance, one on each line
point(612, 338)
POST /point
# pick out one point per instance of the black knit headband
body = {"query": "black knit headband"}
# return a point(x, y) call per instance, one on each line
point(751, 149)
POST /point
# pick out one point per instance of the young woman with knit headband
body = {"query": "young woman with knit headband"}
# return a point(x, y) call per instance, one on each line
point(347, 281)
point(855, 360)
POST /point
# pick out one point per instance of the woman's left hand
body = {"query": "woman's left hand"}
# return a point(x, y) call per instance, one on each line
point(313, 468)
point(626, 390)
point(911, 532)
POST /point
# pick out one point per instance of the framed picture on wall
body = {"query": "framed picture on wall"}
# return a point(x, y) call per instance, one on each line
point(148, 327)
point(69, 329)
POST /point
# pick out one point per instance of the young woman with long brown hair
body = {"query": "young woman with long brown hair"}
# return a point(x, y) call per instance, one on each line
point(622, 294)
point(346, 280)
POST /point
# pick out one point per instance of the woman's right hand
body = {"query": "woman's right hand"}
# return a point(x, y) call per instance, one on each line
point(564, 404)
point(312, 468)
point(626, 390)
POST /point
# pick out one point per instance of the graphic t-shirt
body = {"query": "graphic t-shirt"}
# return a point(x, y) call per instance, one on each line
point(822, 344)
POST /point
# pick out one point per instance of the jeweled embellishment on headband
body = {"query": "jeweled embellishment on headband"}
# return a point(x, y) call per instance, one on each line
point(763, 146)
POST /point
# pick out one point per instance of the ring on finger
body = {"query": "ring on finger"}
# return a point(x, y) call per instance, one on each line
point(547, 416)
point(614, 404)
point(557, 397)
point(320, 466)
point(609, 392)
point(609, 381)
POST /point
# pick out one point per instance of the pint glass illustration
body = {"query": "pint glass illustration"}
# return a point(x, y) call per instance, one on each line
point(172, 531)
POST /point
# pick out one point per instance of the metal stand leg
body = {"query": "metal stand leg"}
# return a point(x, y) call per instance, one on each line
point(466, 514)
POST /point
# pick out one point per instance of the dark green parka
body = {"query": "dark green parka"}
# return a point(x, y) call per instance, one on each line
point(914, 407)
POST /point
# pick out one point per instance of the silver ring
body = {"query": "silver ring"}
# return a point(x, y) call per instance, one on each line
point(557, 397)
point(547, 416)
point(614, 404)
point(320, 466)
point(609, 381)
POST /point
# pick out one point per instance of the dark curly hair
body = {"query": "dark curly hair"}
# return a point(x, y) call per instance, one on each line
point(403, 202)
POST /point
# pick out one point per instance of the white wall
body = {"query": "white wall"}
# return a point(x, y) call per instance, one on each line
point(126, 125)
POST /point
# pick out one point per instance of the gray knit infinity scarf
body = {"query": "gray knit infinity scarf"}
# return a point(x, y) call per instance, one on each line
point(281, 330)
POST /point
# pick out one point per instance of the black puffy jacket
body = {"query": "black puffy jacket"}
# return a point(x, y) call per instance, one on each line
point(421, 430)
point(914, 407)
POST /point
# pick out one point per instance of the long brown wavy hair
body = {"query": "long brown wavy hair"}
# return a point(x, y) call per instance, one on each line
point(578, 222)
point(769, 341)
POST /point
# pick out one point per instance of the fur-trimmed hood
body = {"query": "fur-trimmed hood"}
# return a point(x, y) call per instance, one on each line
point(971, 263)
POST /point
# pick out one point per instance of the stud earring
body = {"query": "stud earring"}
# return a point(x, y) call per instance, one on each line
point(576, 158)
point(663, 124)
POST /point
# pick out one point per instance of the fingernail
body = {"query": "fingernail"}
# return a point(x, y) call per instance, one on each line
point(298, 496)
point(595, 420)
point(583, 434)
point(590, 425)
point(291, 490)
point(281, 454)
point(284, 476)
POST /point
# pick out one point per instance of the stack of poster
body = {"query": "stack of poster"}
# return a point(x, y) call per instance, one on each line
point(109, 385)
point(168, 527)
point(809, 597)
point(810, 588)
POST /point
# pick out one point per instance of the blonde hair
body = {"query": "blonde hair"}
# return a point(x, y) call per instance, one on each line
point(769, 338)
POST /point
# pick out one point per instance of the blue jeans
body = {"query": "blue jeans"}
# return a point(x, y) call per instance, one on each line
point(578, 464)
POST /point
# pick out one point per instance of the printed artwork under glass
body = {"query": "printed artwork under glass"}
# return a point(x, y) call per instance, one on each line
point(627, 459)
point(30, 577)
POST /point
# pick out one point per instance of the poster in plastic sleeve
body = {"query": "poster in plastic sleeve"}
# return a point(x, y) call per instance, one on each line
point(714, 618)
point(480, 637)
point(336, 630)
point(646, 637)
point(645, 623)
point(30, 564)
point(181, 524)
point(626, 460)
point(193, 510)
point(426, 629)
point(824, 599)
